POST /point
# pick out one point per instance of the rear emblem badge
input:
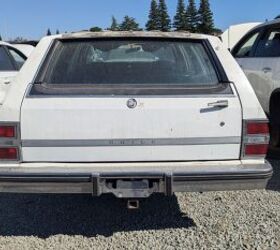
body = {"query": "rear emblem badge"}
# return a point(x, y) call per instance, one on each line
point(131, 103)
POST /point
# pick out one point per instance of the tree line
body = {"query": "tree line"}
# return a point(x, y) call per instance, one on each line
point(187, 18)
point(49, 33)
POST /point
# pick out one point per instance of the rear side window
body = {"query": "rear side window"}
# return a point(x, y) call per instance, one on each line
point(269, 44)
point(5, 61)
point(131, 62)
point(245, 49)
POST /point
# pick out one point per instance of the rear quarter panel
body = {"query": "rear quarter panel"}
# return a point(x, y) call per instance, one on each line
point(250, 104)
point(10, 108)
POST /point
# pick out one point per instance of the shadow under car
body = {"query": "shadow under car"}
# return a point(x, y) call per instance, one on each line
point(47, 215)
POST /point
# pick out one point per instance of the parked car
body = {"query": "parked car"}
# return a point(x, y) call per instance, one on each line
point(258, 53)
point(11, 60)
point(132, 113)
point(26, 49)
point(235, 32)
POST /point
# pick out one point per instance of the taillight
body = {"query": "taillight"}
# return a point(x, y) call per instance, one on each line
point(7, 131)
point(256, 149)
point(8, 153)
point(255, 138)
point(9, 142)
point(254, 128)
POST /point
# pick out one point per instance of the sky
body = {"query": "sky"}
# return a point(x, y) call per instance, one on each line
point(31, 18)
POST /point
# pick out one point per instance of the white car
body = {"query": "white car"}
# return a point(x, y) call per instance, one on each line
point(11, 60)
point(26, 49)
point(258, 53)
point(132, 113)
point(235, 32)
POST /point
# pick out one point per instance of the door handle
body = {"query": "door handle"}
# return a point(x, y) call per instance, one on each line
point(219, 104)
point(267, 70)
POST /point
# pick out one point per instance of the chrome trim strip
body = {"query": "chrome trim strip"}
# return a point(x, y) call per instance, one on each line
point(133, 142)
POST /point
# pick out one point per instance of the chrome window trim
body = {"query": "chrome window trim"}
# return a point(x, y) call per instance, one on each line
point(231, 94)
point(134, 96)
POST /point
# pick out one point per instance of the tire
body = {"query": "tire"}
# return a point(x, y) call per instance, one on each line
point(274, 135)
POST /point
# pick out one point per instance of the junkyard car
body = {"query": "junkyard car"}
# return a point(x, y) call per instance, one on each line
point(25, 49)
point(258, 53)
point(11, 60)
point(234, 33)
point(132, 113)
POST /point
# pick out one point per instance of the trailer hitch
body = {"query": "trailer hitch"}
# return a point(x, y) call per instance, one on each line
point(132, 186)
point(133, 204)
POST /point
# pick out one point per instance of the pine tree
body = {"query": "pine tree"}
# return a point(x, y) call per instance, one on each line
point(1, 38)
point(164, 19)
point(180, 17)
point(49, 33)
point(129, 23)
point(114, 25)
point(57, 32)
point(191, 17)
point(153, 22)
point(206, 22)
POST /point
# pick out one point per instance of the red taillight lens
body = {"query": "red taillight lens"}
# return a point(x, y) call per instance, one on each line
point(8, 153)
point(7, 131)
point(256, 149)
point(9, 142)
point(255, 139)
point(257, 128)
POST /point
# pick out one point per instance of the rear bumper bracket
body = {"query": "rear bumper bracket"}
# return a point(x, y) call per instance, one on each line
point(169, 184)
point(95, 185)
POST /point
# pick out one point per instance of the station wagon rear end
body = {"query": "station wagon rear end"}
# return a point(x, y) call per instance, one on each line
point(132, 113)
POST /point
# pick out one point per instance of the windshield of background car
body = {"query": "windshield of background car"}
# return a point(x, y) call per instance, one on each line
point(130, 62)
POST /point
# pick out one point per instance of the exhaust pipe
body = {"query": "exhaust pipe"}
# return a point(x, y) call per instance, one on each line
point(133, 204)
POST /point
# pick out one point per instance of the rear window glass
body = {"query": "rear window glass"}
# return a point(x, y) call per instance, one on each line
point(130, 62)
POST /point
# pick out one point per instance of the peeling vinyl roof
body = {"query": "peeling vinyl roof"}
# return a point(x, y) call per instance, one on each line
point(141, 34)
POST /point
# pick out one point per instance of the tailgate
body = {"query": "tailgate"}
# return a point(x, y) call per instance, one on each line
point(123, 101)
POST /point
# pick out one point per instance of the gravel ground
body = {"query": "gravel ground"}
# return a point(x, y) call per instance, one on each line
point(217, 220)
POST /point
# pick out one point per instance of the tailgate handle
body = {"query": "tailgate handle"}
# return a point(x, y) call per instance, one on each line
point(219, 104)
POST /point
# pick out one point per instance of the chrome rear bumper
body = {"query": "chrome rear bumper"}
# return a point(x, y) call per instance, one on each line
point(134, 180)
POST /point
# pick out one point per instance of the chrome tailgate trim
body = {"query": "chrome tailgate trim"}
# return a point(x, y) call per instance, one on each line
point(133, 142)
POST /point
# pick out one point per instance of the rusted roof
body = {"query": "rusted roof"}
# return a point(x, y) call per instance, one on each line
point(141, 34)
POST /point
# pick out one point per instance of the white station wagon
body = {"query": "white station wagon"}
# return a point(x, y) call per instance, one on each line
point(132, 114)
